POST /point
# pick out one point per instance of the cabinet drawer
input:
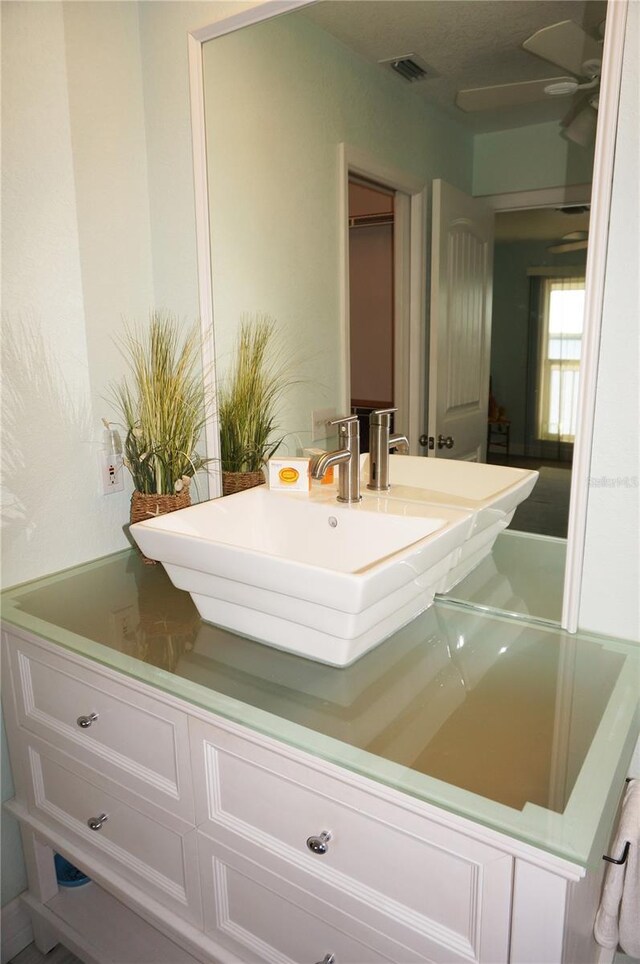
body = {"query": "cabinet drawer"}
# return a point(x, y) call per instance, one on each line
point(262, 914)
point(453, 891)
point(156, 858)
point(136, 740)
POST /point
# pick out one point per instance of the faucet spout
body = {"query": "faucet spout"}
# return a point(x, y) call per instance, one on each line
point(380, 442)
point(399, 442)
point(321, 465)
point(347, 458)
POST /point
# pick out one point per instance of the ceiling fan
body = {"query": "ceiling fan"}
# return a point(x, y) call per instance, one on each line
point(573, 241)
point(566, 45)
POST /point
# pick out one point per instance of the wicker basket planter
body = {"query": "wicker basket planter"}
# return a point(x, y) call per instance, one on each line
point(147, 506)
point(238, 481)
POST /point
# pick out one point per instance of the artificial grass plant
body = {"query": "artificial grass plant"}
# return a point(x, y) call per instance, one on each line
point(162, 404)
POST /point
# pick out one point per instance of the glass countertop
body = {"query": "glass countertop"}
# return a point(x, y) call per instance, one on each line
point(523, 575)
point(521, 727)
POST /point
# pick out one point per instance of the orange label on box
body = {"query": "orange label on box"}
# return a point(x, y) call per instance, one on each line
point(289, 475)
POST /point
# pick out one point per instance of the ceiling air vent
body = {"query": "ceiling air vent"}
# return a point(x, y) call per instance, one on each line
point(410, 67)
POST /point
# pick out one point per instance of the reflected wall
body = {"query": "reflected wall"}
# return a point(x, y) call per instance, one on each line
point(273, 135)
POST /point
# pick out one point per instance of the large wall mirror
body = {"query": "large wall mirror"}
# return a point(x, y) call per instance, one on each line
point(316, 154)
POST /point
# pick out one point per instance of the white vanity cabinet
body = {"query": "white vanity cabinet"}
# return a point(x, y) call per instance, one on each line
point(208, 841)
point(109, 767)
point(440, 895)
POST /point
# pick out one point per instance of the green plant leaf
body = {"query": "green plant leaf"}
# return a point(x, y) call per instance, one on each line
point(161, 401)
point(249, 397)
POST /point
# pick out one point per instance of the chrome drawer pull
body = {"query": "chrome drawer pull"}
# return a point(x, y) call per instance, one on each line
point(319, 845)
point(95, 823)
point(328, 959)
point(85, 721)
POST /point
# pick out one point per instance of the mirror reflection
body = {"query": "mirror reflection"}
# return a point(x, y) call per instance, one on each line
point(323, 128)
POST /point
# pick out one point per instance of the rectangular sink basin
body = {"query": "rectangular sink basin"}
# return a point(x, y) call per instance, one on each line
point(491, 492)
point(305, 573)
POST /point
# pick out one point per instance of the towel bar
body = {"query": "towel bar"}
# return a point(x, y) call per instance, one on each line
point(623, 859)
point(625, 852)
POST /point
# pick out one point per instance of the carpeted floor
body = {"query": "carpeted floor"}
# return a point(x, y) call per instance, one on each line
point(546, 511)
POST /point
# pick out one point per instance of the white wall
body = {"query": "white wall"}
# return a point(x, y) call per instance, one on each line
point(163, 36)
point(272, 150)
point(92, 235)
point(528, 158)
point(76, 259)
point(610, 601)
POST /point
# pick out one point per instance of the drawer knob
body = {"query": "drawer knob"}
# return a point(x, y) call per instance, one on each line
point(328, 959)
point(320, 844)
point(96, 823)
point(85, 721)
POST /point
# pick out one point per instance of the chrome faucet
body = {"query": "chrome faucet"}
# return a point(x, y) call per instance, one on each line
point(380, 442)
point(346, 458)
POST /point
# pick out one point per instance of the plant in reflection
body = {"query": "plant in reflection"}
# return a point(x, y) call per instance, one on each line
point(168, 621)
point(248, 399)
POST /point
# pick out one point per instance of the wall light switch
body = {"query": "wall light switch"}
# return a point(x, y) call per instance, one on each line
point(319, 427)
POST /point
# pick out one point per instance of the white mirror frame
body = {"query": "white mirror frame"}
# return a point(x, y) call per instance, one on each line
point(595, 268)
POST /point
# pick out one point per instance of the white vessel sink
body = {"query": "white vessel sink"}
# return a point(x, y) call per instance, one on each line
point(491, 492)
point(305, 573)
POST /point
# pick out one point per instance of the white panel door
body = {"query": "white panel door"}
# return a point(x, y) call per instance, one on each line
point(460, 332)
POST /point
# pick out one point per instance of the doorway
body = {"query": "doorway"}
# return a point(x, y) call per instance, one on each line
point(375, 192)
point(371, 300)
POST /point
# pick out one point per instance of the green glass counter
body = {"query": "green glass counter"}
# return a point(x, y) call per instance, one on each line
point(520, 727)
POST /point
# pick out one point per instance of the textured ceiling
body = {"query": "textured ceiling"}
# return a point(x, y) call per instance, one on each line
point(468, 43)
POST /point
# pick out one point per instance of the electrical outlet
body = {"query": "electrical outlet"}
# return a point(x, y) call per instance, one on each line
point(112, 474)
point(111, 460)
point(319, 419)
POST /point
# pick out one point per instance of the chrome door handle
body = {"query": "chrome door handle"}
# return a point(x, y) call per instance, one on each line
point(319, 844)
point(328, 959)
point(85, 721)
point(445, 442)
point(96, 823)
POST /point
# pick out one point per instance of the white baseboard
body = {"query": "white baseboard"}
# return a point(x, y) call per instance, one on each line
point(16, 929)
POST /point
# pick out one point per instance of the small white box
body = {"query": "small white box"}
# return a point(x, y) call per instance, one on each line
point(290, 474)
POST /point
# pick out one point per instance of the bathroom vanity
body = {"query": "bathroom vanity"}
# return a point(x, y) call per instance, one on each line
point(447, 798)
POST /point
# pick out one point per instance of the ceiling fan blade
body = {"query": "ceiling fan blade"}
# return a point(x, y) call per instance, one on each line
point(575, 236)
point(568, 246)
point(564, 44)
point(506, 95)
point(578, 104)
point(581, 127)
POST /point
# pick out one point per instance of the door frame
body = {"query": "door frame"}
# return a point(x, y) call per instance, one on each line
point(602, 184)
point(409, 269)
